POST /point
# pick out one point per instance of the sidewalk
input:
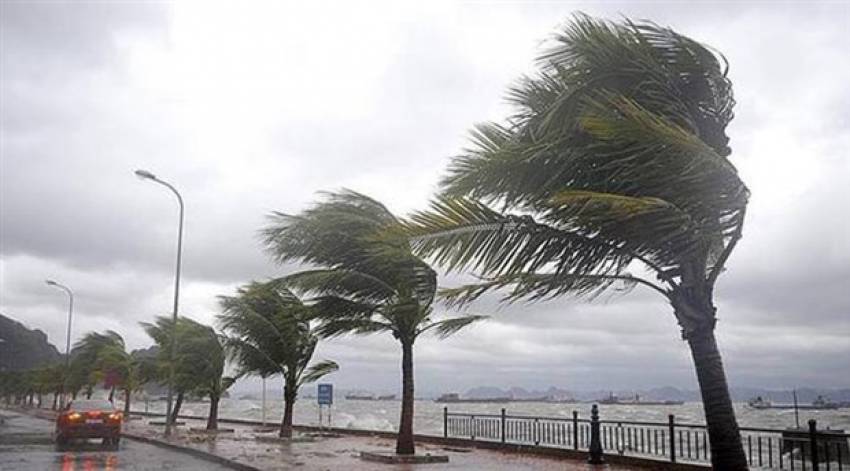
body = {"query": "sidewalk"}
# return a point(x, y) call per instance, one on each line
point(310, 452)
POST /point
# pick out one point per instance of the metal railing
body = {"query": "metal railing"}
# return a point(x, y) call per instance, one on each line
point(794, 449)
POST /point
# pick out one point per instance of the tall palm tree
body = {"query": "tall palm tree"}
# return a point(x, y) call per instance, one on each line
point(269, 333)
point(368, 280)
point(614, 165)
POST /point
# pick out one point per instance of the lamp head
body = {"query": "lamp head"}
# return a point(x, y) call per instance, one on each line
point(145, 175)
point(50, 282)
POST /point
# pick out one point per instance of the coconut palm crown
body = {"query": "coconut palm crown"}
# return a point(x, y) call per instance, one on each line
point(367, 279)
point(611, 173)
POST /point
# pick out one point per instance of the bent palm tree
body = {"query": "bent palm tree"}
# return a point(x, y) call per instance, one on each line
point(269, 333)
point(203, 354)
point(615, 159)
point(110, 362)
point(185, 377)
point(368, 280)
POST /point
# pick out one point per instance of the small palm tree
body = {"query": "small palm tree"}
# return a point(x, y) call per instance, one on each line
point(47, 379)
point(203, 353)
point(112, 363)
point(368, 280)
point(83, 374)
point(269, 333)
point(614, 161)
point(185, 378)
point(88, 352)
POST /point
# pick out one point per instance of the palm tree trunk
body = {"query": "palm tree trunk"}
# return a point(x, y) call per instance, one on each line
point(212, 418)
point(175, 411)
point(127, 402)
point(289, 396)
point(404, 444)
point(727, 450)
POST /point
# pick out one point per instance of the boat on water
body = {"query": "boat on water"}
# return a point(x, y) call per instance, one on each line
point(370, 397)
point(455, 398)
point(637, 401)
point(360, 397)
point(818, 404)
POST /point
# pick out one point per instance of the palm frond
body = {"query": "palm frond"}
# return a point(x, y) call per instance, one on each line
point(335, 327)
point(463, 234)
point(544, 286)
point(448, 327)
point(318, 370)
point(354, 285)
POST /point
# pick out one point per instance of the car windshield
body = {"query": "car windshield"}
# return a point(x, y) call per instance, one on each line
point(91, 405)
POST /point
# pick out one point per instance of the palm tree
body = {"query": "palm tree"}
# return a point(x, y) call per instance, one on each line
point(614, 161)
point(112, 363)
point(203, 354)
point(185, 379)
point(368, 280)
point(48, 380)
point(269, 333)
point(87, 352)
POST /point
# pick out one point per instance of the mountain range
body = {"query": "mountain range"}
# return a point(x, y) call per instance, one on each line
point(665, 393)
point(22, 348)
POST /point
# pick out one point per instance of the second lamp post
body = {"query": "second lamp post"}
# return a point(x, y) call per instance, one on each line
point(144, 174)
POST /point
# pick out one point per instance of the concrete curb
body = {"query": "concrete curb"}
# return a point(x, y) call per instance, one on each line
point(191, 451)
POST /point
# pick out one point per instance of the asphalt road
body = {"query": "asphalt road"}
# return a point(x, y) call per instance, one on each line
point(26, 444)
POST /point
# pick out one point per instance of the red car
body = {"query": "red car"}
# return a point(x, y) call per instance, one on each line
point(84, 419)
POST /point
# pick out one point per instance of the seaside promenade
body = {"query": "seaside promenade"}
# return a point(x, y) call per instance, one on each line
point(314, 451)
point(248, 447)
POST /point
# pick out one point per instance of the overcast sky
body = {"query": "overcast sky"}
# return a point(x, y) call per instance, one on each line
point(251, 107)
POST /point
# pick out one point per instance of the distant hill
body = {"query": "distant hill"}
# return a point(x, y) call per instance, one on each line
point(22, 348)
point(666, 393)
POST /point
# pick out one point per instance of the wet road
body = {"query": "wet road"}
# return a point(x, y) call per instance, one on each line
point(25, 444)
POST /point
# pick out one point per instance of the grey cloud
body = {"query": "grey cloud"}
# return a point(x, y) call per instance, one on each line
point(77, 119)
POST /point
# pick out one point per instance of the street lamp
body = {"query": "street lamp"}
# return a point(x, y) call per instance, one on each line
point(67, 336)
point(145, 175)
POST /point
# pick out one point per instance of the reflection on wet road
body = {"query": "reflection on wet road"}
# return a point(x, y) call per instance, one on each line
point(25, 444)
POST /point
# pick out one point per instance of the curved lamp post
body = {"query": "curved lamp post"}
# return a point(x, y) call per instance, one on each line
point(67, 336)
point(145, 175)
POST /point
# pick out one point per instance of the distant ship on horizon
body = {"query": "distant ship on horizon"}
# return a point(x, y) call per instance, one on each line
point(455, 398)
point(818, 404)
point(614, 400)
point(370, 397)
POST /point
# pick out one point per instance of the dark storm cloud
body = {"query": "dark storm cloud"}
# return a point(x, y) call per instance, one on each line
point(248, 120)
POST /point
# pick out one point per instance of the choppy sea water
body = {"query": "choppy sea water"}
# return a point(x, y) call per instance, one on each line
point(384, 415)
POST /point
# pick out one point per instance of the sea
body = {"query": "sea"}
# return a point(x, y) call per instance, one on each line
point(428, 414)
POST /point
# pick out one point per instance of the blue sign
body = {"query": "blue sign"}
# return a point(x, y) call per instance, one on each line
point(326, 394)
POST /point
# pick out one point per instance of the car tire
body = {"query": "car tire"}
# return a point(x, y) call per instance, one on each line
point(111, 442)
point(61, 443)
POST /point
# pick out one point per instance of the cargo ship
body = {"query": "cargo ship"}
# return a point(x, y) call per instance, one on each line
point(637, 401)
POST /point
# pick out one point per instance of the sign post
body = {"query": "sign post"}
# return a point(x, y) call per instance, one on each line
point(326, 398)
